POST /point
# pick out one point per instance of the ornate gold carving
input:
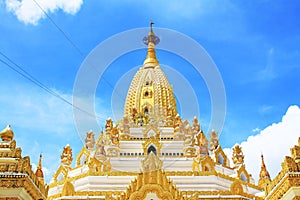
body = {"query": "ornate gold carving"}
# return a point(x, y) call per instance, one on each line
point(202, 143)
point(205, 164)
point(214, 140)
point(100, 165)
point(295, 152)
point(151, 163)
point(108, 126)
point(189, 151)
point(186, 129)
point(177, 123)
point(237, 156)
point(66, 156)
point(152, 141)
point(114, 136)
point(236, 188)
point(195, 126)
point(289, 165)
point(90, 140)
point(68, 189)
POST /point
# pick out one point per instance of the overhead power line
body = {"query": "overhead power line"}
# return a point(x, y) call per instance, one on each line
point(18, 69)
point(75, 46)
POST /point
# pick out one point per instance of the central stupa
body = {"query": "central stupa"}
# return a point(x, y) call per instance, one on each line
point(150, 95)
point(151, 153)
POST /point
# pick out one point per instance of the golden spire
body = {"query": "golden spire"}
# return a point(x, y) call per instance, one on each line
point(263, 172)
point(264, 176)
point(39, 172)
point(151, 40)
point(150, 96)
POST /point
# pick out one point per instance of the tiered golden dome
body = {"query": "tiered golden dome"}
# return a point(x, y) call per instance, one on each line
point(150, 93)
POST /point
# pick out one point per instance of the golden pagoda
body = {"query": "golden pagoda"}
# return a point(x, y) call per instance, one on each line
point(149, 154)
point(152, 153)
point(17, 180)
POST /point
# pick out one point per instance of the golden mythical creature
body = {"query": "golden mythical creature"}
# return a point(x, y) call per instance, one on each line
point(90, 140)
point(237, 155)
point(66, 156)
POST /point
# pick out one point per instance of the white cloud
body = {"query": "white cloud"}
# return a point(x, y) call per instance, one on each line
point(29, 11)
point(274, 142)
point(42, 123)
point(268, 73)
point(255, 130)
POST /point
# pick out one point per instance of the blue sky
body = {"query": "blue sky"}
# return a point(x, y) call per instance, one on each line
point(255, 45)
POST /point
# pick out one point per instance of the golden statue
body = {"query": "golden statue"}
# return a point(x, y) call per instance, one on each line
point(114, 136)
point(237, 155)
point(126, 124)
point(195, 126)
point(133, 114)
point(66, 156)
point(90, 140)
point(151, 163)
point(109, 125)
point(177, 123)
point(202, 143)
point(214, 140)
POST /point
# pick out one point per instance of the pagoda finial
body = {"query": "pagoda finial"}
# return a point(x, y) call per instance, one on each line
point(264, 176)
point(151, 40)
point(151, 23)
point(39, 172)
point(40, 162)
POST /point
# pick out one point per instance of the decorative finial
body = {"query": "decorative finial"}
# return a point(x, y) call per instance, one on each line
point(7, 134)
point(40, 162)
point(151, 23)
point(39, 172)
point(264, 176)
point(151, 40)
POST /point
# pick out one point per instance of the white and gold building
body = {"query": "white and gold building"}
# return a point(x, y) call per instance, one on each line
point(152, 153)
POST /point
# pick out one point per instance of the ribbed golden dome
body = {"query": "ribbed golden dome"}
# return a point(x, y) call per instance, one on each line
point(150, 93)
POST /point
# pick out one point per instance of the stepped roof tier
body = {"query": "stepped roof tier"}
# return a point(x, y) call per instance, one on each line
point(17, 180)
